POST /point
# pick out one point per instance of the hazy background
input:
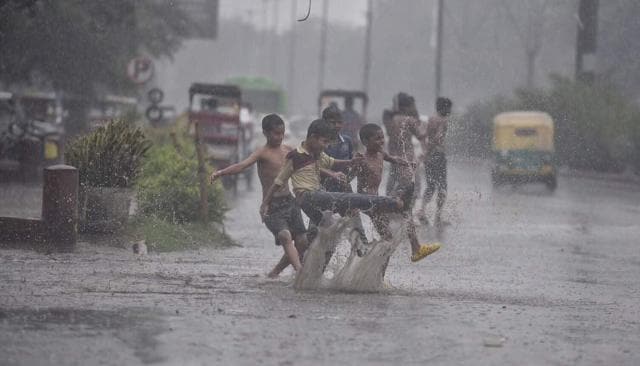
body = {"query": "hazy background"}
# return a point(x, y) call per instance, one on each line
point(484, 50)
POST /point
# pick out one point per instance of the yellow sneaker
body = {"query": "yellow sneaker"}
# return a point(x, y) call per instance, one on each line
point(425, 250)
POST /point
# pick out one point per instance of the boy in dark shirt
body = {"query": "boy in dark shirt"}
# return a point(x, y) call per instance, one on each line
point(341, 147)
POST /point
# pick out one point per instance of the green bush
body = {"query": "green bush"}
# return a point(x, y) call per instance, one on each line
point(111, 156)
point(168, 186)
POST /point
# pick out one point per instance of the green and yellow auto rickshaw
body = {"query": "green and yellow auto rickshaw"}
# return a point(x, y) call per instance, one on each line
point(523, 149)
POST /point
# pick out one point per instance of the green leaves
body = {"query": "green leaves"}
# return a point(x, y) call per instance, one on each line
point(168, 186)
point(111, 156)
point(78, 46)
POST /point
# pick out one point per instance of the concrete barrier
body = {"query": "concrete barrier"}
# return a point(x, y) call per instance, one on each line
point(58, 227)
point(60, 206)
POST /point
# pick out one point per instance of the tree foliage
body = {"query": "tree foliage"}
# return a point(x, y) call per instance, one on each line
point(79, 46)
point(596, 127)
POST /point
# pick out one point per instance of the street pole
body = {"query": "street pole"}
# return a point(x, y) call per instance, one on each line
point(438, 55)
point(292, 56)
point(323, 45)
point(274, 40)
point(264, 37)
point(586, 40)
point(367, 49)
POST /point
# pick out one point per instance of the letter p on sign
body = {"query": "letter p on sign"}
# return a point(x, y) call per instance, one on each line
point(140, 70)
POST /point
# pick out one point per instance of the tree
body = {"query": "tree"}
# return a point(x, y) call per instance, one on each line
point(619, 44)
point(529, 21)
point(80, 47)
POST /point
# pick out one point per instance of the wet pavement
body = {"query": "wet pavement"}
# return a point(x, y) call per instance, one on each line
point(524, 277)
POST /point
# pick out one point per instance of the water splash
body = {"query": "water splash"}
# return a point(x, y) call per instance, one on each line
point(358, 274)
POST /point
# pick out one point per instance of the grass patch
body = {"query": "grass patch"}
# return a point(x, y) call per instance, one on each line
point(164, 236)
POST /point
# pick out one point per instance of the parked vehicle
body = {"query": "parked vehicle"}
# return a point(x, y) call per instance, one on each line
point(214, 109)
point(523, 146)
point(263, 95)
point(353, 105)
point(31, 132)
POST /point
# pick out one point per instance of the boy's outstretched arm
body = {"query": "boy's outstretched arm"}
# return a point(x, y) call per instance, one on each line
point(341, 164)
point(340, 177)
point(238, 167)
point(395, 160)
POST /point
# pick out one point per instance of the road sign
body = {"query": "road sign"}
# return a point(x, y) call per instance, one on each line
point(140, 69)
point(155, 95)
point(154, 113)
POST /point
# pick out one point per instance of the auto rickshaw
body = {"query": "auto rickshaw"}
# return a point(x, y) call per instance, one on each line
point(523, 149)
point(215, 110)
point(31, 131)
point(353, 105)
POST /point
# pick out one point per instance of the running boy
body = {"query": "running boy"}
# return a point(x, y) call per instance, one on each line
point(435, 163)
point(303, 166)
point(369, 173)
point(283, 218)
point(401, 128)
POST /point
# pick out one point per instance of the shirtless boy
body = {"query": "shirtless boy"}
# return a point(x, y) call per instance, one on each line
point(435, 160)
point(283, 218)
point(369, 174)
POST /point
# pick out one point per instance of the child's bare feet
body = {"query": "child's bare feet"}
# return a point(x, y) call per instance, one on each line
point(272, 275)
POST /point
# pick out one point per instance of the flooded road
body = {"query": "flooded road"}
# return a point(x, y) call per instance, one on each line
point(523, 277)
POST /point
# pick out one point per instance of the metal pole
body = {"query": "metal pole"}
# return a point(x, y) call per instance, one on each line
point(323, 44)
point(264, 35)
point(438, 56)
point(274, 40)
point(367, 49)
point(292, 56)
point(586, 42)
point(202, 174)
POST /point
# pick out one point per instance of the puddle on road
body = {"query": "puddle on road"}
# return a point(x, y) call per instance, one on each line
point(137, 328)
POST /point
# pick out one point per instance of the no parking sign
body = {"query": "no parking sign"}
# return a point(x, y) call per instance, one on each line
point(140, 69)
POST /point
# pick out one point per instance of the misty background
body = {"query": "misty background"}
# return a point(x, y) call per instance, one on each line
point(485, 48)
point(498, 55)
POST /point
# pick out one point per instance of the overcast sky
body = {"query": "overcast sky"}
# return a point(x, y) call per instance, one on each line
point(340, 11)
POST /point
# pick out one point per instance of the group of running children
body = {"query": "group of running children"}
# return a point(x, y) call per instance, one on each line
point(321, 168)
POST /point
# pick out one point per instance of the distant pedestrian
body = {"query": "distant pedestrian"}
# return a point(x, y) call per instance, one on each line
point(402, 125)
point(435, 160)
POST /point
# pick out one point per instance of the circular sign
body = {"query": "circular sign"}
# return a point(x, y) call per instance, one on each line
point(155, 95)
point(140, 70)
point(154, 114)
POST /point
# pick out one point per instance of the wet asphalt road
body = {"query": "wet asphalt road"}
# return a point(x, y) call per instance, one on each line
point(524, 277)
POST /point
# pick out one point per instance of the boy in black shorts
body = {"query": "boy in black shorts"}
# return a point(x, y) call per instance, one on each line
point(283, 219)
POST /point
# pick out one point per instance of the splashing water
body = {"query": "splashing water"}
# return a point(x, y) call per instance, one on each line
point(358, 274)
